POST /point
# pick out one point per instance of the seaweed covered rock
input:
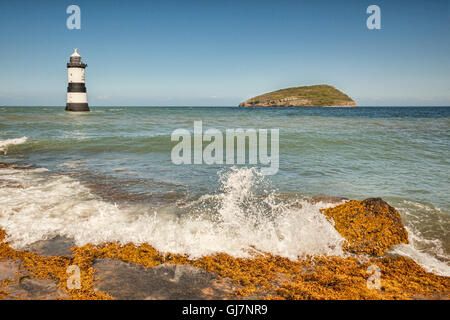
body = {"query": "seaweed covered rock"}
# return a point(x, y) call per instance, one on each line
point(4, 165)
point(259, 276)
point(371, 226)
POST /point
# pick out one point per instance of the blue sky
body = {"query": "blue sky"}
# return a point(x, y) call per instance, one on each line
point(221, 52)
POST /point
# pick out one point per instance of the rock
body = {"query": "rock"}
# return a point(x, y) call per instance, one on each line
point(57, 246)
point(19, 284)
point(16, 166)
point(34, 289)
point(371, 226)
point(8, 269)
point(166, 281)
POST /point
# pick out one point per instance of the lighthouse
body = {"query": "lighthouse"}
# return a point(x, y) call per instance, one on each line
point(76, 91)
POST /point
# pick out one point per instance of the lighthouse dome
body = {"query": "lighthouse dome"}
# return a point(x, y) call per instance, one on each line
point(75, 59)
point(75, 53)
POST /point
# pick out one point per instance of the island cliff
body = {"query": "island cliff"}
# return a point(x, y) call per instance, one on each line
point(307, 96)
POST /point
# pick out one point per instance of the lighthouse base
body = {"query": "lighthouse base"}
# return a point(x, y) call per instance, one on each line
point(77, 107)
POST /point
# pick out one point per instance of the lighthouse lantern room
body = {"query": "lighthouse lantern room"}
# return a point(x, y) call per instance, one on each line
point(76, 91)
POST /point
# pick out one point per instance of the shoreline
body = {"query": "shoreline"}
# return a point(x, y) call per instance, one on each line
point(146, 273)
point(113, 271)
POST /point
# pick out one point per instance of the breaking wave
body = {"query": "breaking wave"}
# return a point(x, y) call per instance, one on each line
point(423, 258)
point(8, 142)
point(235, 220)
point(428, 227)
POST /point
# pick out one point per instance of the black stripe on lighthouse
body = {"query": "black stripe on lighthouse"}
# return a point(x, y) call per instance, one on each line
point(76, 106)
point(76, 87)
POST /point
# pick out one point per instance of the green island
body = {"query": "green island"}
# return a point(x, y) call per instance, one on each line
point(306, 96)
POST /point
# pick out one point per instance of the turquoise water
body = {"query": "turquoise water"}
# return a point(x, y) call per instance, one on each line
point(123, 156)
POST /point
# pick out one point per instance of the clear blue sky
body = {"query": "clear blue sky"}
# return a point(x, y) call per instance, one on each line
point(220, 52)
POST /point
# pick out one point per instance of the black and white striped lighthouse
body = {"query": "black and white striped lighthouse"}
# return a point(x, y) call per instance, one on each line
point(76, 91)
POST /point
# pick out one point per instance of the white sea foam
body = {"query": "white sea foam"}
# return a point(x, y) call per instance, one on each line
point(8, 142)
point(234, 222)
point(426, 260)
point(72, 164)
point(425, 224)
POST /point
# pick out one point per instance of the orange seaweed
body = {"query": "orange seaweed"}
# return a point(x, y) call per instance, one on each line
point(370, 227)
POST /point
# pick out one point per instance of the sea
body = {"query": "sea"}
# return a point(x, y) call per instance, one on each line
point(109, 175)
